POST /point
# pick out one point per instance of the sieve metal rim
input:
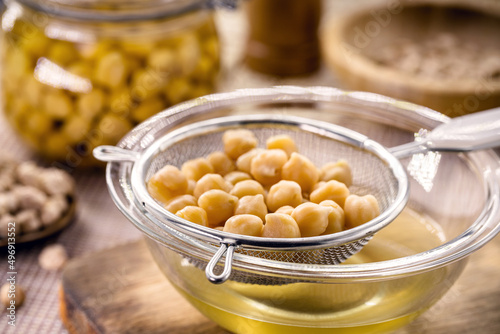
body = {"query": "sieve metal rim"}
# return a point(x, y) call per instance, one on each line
point(149, 205)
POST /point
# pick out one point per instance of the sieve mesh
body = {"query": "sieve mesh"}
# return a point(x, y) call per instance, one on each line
point(371, 175)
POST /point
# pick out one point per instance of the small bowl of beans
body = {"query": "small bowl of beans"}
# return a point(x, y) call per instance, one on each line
point(445, 56)
point(235, 166)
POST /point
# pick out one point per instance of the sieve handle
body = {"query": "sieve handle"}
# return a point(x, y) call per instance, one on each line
point(227, 249)
point(476, 131)
point(110, 153)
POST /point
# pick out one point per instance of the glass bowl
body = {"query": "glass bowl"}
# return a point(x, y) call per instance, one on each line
point(409, 265)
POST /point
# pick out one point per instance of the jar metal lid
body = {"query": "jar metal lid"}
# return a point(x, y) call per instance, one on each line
point(121, 10)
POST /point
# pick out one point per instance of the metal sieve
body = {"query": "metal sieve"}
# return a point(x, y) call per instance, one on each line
point(376, 170)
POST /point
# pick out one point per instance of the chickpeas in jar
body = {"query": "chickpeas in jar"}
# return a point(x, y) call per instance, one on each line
point(83, 74)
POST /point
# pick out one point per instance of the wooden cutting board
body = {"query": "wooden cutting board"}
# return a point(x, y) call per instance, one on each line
point(121, 290)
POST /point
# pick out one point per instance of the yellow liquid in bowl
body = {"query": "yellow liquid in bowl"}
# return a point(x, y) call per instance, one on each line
point(361, 307)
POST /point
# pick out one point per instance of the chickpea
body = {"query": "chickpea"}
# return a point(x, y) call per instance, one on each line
point(113, 127)
point(167, 183)
point(162, 60)
point(146, 83)
point(15, 72)
point(237, 142)
point(333, 190)
point(29, 221)
point(244, 161)
point(188, 53)
point(7, 297)
point(120, 101)
point(246, 224)
point(336, 217)
point(266, 166)
point(53, 257)
point(177, 90)
point(247, 188)
point(194, 169)
point(75, 129)
point(55, 145)
point(211, 46)
point(138, 48)
point(284, 193)
point(283, 142)
point(340, 171)
point(200, 89)
point(219, 206)
point(221, 163)
point(56, 182)
point(190, 188)
point(318, 185)
point(33, 90)
point(180, 202)
point(90, 105)
point(5, 224)
point(62, 53)
point(36, 43)
point(29, 197)
point(57, 104)
point(147, 108)
point(53, 209)
point(301, 170)
point(280, 225)
point(311, 218)
point(204, 70)
point(194, 214)
point(360, 209)
point(211, 181)
point(111, 70)
point(236, 176)
point(39, 124)
point(81, 69)
point(253, 205)
point(287, 209)
point(96, 50)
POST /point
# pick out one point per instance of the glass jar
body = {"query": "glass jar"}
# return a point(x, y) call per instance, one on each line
point(79, 74)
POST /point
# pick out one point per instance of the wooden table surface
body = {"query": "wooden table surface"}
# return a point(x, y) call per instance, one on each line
point(127, 293)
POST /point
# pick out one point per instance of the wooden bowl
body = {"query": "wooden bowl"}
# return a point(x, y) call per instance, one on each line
point(352, 42)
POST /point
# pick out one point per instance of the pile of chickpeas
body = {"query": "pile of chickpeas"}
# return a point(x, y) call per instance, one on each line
point(272, 192)
point(67, 97)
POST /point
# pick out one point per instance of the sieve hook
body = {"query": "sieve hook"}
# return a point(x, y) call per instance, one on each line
point(110, 153)
point(227, 249)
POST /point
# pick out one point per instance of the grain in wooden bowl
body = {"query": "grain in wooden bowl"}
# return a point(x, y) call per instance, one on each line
point(441, 54)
